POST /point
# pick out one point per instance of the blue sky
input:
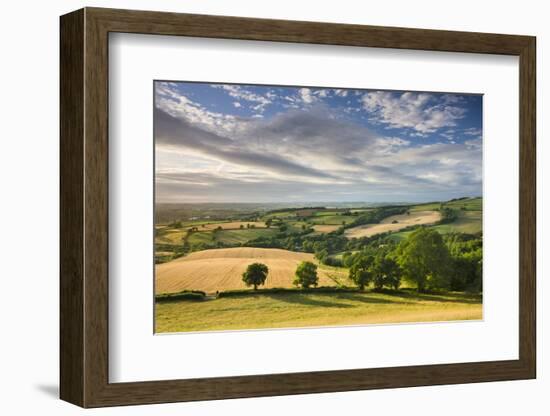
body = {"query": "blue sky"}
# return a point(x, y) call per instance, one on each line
point(249, 143)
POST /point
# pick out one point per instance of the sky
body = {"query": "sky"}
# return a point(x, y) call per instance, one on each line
point(259, 144)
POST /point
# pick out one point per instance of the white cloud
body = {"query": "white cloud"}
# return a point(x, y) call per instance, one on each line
point(449, 135)
point(472, 131)
point(211, 156)
point(240, 93)
point(417, 134)
point(306, 96)
point(176, 104)
point(420, 112)
point(341, 93)
point(384, 146)
point(236, 104)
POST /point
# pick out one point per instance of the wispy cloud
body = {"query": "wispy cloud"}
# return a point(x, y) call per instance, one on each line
point(421, 112)
point(240, 93)
point(318, 149)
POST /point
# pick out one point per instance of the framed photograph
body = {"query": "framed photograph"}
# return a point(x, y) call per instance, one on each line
point(255, 207)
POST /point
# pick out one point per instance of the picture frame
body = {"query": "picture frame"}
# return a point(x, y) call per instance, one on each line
point(84, 218)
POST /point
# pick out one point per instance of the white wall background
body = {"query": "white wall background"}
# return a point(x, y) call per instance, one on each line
point(29, 209)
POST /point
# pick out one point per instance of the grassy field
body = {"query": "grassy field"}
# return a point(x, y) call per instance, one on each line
point(171, 236)
point(467, 222)
point(470, 204)
point(331, 219)
point(323, 309)
point(230, 236)
point(222, 269)
point(425, 207)
point(469, 217)
point(394, 223)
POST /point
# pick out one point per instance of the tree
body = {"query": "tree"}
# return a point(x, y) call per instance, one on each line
point(425, 259)
point(386, 272)
point(322, 255)
point(268, 222)
point(347, 259)
point(447, 215)
point(360, 271)
point(306, 275)
point(255, 275)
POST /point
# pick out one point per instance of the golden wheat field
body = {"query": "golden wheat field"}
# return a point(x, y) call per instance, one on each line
point(222, 269)
point(403, 221)
point(234, 225)
point(325, 228)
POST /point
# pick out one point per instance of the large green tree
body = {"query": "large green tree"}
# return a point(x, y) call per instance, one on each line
point(360, 271)
point(386, 272)
point(255, 275)
point(306, 275)
point(425, 259)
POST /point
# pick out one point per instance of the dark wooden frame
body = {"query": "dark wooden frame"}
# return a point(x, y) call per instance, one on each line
point(84, 207)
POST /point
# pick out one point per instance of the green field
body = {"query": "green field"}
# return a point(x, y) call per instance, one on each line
point(296, 226)
point(331, 219)
point(311, 309)
point(279, 215)
point(470, 204)
point(230, 236)
point(426, 207)
point(469, 221)
point(326, 212)
point(171, 236)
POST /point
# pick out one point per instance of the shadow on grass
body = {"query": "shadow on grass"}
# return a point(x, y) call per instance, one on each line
point(443, 298)
point(330, 300)
point(306, 300)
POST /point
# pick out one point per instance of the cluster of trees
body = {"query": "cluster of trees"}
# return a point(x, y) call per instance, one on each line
point(380, 271)
point(247, 226)
point(176, 224)
point(448, 215)
point(425, 259)
point(466, 253)
point(305, 276)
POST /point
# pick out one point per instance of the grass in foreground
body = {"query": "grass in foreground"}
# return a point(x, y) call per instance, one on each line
point(302, 310)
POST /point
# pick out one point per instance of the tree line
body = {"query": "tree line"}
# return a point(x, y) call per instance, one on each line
point(425, 259)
